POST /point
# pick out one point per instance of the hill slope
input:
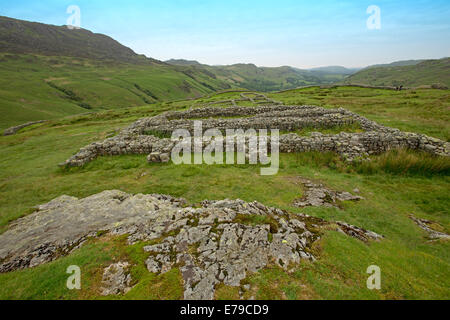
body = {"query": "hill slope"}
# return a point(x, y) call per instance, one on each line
point(402, 63)
point(266, 79)
point(394, 187)
point(335, 70)
point(18, 36)
point(183, 62)
point(46, 87)
point(428, 72)
point(49, 71)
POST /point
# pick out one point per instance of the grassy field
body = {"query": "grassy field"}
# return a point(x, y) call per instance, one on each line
point(424, 111)
point(394, 186)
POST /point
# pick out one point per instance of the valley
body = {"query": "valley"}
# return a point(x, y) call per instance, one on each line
point(88, 181)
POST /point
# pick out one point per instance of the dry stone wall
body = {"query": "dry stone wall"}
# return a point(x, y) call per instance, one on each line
point(139, 138)
point(14, 130)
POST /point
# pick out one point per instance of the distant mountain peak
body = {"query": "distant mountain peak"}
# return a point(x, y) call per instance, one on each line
point(183, 62)
point(401, 63)
point(335, 70)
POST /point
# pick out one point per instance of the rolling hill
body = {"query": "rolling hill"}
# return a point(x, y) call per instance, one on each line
point(49, 72)
point(402, 63)
point(36, 87)
point(266, 79)
point(336, 70)
point(434, 73)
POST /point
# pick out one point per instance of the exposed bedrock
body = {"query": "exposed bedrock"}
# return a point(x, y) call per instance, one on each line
point(219, 242)
point(317, 195)
point(429, 227)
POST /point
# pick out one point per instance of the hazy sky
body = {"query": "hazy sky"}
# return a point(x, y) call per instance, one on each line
point(300, 33)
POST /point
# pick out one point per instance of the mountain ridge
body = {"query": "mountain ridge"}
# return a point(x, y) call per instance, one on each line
point(266, 79)
point(25, 37)
point(433, 73)
point(49, 71)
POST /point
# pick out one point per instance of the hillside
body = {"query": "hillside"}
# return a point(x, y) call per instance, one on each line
point(36, 87)
point(394, 186)
point(49, 71)
point(426, 73)
point(335, 70)
point(24, 37)
point(182, 62)
point(266, 79)
point(402, 63)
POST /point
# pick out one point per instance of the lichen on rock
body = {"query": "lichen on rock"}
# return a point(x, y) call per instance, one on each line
point(317, 195)
point(116, 279)
point(427, 225)
point(219, 242)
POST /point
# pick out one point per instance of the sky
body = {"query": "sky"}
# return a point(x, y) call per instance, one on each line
point(298, 33)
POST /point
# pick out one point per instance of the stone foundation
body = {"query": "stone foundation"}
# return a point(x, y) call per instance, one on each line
point(375, 138)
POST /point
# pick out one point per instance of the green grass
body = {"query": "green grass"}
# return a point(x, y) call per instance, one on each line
point(407, 163)
point(394, 186)
point(35, 87)
point(264, 79)
point(48, 282)
point(422, 111)
point(41, 88)
point(430, 72)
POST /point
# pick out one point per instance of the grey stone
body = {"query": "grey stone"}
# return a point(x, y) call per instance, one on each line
point(14, 130)
point(154, 157)
point(317, 195)
point(116, 279)
point(164, 157)
point(375, 139)
point(217, 250)
point(425, 225)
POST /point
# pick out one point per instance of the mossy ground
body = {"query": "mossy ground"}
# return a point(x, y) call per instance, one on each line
point(394, 186)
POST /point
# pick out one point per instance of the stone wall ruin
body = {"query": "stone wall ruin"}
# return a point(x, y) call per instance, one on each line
point(139, 138)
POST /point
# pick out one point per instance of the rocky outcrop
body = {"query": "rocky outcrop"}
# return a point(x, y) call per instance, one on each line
point(427, 225)
point(139, 138)
point(317, 195)
point(358, 233)
point(218, 242)
point(116, 279)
